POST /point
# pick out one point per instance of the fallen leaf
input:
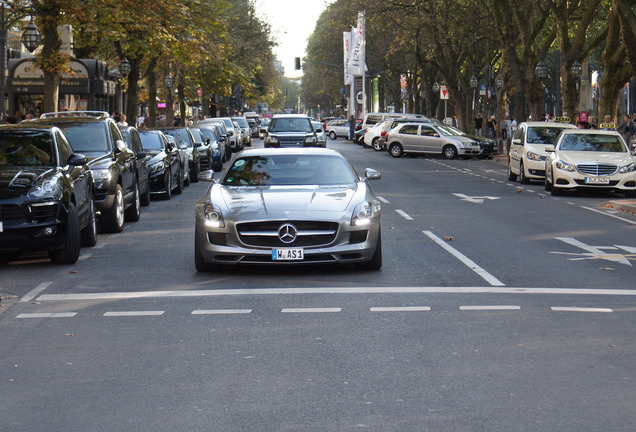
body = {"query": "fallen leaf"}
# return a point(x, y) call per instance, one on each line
point(448, 238)
point(73, 271)
point(70, 334)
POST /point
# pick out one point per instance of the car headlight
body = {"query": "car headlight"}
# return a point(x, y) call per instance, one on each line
point(565, 166)
point(101, 174)
point(50, 188)
point(627, 168)
point(156, 167)
point(310, 139)
point(533, 156)
point(210, 214)
point(216, 150)
point(271, 139)
point(364, 212)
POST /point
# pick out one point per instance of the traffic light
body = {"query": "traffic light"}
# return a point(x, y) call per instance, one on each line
point(298, 66)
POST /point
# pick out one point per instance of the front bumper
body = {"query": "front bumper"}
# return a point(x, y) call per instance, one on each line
point(25, 229)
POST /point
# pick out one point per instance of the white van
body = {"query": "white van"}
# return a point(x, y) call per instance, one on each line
point(372, 118)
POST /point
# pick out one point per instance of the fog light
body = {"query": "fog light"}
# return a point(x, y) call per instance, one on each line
point(48, 231)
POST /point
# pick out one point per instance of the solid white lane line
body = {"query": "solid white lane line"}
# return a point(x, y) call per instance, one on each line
point(464, 259)
point(310, 310)
point(221, 311)
point(34, 292)
point(336, 290)
point(491, 307)
point(404, 215)
point(608, 214)
point(133, 313)
point(401, 309)
point(47, 315)
point(580, 309)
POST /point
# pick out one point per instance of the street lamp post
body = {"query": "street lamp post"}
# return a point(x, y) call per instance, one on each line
point(124, 69)
point(576, 71)
point(436, 90)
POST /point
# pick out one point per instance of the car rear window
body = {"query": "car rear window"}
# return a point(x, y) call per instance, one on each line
point(87, 137)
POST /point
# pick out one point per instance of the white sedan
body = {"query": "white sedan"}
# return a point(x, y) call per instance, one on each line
point(592, 160)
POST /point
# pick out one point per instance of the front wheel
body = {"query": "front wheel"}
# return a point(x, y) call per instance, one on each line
point(375, 263)
point(522, 174)
point(450, 152)
point(199, 262)
point(332, 135)
point(376, 144)
point(89, 233)
point(69, 253)
point(133, 212)
point(112, 220)
point(180, 182)
point(396, 150)
point(511, 176)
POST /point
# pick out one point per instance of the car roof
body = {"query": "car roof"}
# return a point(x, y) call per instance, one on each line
point(577, 131)
point(27, 126)
point(289, 151)
point(290, 116)
point(548, 124)
point(66, 120)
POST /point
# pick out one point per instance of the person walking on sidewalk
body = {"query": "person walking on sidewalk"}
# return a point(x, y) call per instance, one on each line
point(352, 127)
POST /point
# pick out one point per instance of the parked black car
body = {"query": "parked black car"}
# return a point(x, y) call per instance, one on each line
point(183, 137)
point(46, 194)
point(133, 141)
point(96, 135)
point(203, 146)
point(217, 146)
point(166, 170)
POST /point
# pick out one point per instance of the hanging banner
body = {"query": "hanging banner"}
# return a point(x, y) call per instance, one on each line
point(346, 39)
point(358, 42)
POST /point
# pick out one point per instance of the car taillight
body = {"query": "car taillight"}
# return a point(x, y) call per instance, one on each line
point(383, 133)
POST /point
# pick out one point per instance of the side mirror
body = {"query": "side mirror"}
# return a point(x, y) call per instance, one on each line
point(121, 146)
point(516, 141)
point(549, 149)
point(207, 175)
point(141, 155)
point(183, 146)
point(222, 139)
point(207, 140)
point(371, 174)
point(436, 135)
point(77, 159)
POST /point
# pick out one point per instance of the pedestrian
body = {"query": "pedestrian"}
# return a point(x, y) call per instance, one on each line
point(454, 121)
point(352, 127)
point(504, 125)
point(513, 126)
point(141, 120)
point(479, 124)
point(122, 121)
point(626, 129)
point(490, 124)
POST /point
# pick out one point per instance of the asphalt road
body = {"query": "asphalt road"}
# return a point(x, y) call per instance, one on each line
point(498, 308)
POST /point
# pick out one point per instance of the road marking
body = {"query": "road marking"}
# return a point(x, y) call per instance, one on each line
point(335, 290)
point(404, 215)
point(596, 252)
point(464, 259)
point(476, 200)
point(35, 292)
point(133, 313)
point(47, 315)
point(401, 309)
point(493, 307)
point(310, 310)
point(384, 200)
point(580, 309)
point(607, 214)
point(221, 311)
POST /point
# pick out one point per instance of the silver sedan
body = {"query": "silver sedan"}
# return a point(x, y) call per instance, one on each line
point(288, 206)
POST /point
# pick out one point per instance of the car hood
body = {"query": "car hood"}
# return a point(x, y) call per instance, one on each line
point(539, 148)
point(17, 181)
point(582, 157)
point(245, 203)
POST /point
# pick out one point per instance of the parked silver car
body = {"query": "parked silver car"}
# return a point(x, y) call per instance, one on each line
point(284, 206)
point(430, 138)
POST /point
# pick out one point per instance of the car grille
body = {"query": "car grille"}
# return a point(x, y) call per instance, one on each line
point(597, 169)
point(18, 213)
point(265, 234)
point(291, 141)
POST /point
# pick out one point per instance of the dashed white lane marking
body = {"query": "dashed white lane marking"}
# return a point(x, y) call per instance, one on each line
point(580, 309)
point(133, 313)
point(491, 307)
point(34, 292)
point(221, 311)
point(401, 309)
point(311, 310)
point(404, 215)
point(464, 259)
point(47, 315)
point(335, 290)
point(384, 200)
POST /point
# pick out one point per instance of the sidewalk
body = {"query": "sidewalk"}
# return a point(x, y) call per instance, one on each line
point(627, 205)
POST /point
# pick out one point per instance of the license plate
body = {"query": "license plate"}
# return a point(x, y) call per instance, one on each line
point(597, 180)
point(287, 254)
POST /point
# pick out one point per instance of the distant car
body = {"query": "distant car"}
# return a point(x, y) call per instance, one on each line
point(262, 128)
point(392, 123)
point(337, 128)
point(166, 169)
point(291, 130)
point(216, 146)
point(585, 159)
point(234, 134)
point(96, 135)
point(430, 138)
point(183, 157)
point(284, 206)
point(224, 133)
point(253, 127)
point(487, 146)
point(203, 146)
point(527, 155)
point(133, 141)
point(320, 134)
point(373, 135)
point(46, 194)
point(246, 130)
point(185, 141)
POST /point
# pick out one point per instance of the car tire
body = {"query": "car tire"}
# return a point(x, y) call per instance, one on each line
point(145, 197)
point(396, 150)
point(547, 185)
point(511, 176)
point(522, 174)
point(555, 190)
point(89, 233)
point(630, 194)
point(375, 263)
point(199, 262)
point(178, 189)
point(69, 253)
point(375, 143)
point(112, 220)
point(133, 212)
point(449, 151)
point(167, 194)
point(194, 176)
point(332, 135)
point(186, 177)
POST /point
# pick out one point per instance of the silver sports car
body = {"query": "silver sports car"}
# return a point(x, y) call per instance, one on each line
point(288, 206)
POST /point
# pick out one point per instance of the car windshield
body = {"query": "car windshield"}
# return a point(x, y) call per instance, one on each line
point(593, 143)
point(242, 121)
point(86, 137)
point(287, 170)
point(209, 133)
point(27, 148)
point(290, 125)
point(448, 130)
point(543, 135)
point(181, 136)
point(151, 141)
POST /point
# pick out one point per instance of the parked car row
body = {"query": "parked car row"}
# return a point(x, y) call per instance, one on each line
point(66, 174)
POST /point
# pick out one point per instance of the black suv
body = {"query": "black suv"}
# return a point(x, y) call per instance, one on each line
point(291, 130)
point(46, 194)
point(113, 164)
